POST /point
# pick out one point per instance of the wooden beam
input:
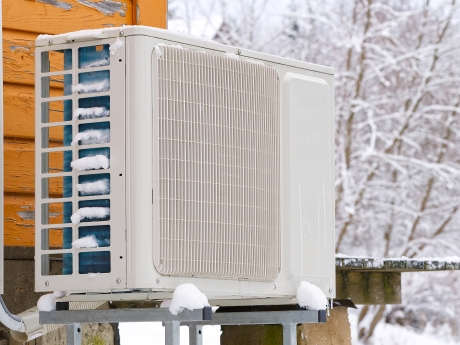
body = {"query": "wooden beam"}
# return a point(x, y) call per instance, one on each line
point(150, 13)
point(335, 331)
point(369, 287)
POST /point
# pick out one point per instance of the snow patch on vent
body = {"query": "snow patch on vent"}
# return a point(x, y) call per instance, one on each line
point(94, 87)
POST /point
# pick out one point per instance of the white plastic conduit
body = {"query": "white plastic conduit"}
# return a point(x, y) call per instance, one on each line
point(25, 326)
point(9, 320)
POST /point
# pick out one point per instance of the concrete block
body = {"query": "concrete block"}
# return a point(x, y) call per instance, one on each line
point(336, 331)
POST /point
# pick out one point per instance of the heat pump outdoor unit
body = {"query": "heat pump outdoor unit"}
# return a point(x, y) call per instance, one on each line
point(168, 159)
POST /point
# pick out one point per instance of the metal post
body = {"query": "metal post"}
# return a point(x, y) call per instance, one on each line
point(74, 334)
point(195, 335)
point(289, 334)
point(172, 333)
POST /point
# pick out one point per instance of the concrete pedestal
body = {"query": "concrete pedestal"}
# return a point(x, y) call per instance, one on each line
point(336, 331)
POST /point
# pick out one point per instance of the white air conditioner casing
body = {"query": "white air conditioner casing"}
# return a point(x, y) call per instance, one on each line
point(221, 167)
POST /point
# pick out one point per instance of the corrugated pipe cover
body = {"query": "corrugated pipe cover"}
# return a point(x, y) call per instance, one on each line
point(34, 329)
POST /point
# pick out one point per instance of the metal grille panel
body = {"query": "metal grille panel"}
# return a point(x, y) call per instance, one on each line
point(218, 166)
point(74, 101)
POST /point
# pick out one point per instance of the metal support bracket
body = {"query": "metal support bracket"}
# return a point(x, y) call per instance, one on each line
point(289, 333)
point(74, 334)
point(195, 336)
point(172, 333)
point(195, 320)
point(122, 315)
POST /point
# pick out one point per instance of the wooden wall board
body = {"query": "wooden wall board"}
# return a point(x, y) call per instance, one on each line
point(19, 156)
point(19, 220)
point(150, 13)
point(19, 111)
point(60, 16)
point(18, 57)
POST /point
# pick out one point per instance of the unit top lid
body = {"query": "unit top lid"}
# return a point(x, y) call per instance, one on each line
point(171, 37)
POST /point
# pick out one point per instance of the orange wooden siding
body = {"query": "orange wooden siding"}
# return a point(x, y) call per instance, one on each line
point(23, 20)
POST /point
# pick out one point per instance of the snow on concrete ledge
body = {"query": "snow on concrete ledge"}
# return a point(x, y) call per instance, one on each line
point(403, 264)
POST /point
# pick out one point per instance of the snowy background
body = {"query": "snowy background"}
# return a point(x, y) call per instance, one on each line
point(397, 101)
point(152, 333)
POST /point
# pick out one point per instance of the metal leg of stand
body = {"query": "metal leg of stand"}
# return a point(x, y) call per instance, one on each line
point(195, 335)
point(74, 334)
point(172, 333)
point(289, 334)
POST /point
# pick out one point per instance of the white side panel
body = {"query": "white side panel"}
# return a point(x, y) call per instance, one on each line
point(139, 160)
point(308, 193)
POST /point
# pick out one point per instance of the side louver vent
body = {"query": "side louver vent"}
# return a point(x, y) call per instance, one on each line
point(218, 167)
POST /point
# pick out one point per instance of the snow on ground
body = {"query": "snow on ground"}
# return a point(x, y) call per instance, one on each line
point(153, 333)
point(396, 335)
